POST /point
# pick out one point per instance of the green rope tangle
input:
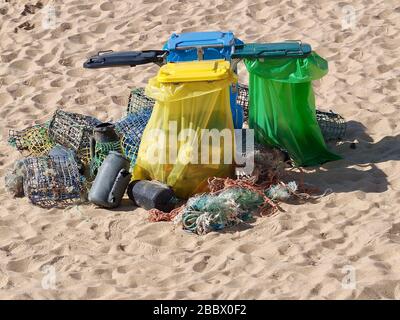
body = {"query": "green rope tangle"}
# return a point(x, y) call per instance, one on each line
point(211, 212)
point(102, 149)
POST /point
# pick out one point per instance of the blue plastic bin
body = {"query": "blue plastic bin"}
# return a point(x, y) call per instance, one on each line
point(206, 46)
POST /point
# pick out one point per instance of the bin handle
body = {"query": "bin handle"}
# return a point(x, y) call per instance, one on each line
point(104, 51)
point(298, 41)
point(220, 45)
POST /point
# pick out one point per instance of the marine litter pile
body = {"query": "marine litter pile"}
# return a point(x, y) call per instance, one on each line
point(75, 159)
point(58, 171)
point(58, 168)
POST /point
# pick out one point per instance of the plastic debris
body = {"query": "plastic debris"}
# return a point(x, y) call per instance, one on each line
point(281, 192)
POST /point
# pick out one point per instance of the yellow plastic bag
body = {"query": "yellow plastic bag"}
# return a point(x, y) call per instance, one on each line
point(175, 149)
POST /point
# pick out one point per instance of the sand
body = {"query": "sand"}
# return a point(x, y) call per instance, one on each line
point(344, 246)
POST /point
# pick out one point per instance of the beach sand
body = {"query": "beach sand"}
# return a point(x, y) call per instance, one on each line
point(343, 246)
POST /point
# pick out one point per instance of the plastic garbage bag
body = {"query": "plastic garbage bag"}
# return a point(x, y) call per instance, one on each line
point(190, 97)
point(282, 106)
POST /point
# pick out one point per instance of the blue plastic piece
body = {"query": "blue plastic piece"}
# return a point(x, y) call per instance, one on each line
point(214, 45)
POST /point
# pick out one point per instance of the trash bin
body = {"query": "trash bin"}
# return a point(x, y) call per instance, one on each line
point(282, 106)
point(190, 97)
point(214, 45)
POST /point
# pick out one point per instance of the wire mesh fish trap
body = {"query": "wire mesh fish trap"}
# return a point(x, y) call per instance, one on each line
point(333, 125)
point(52, 181)
point(130, 129)
point(34, 139)
point(73, 130)
point(242, 99)
point(138, 101)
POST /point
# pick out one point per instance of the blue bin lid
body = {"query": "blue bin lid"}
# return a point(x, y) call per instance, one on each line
point(195, 39)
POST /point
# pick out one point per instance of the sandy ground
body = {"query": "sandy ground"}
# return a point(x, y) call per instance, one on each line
point(306, 252)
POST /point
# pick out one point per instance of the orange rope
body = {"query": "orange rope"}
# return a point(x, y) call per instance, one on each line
point(156, 215)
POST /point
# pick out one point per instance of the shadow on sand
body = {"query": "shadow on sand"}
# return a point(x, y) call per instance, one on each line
point(358, 170)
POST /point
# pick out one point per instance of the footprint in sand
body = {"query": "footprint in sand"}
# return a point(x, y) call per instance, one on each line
point(18, 265)
point(107, 6)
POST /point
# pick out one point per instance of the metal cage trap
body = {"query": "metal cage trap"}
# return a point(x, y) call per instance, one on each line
point(52, 181)
point(242, 99)
point(130, 129)
point(34, 139)
point(138, 101)
point(73, 130)
point(333, 125)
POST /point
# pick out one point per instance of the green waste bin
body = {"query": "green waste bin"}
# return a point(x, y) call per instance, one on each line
point(282, 106)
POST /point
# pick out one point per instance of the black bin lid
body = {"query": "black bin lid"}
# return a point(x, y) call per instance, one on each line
point(106, 59)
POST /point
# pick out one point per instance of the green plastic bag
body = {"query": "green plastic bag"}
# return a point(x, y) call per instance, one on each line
point(282, 107)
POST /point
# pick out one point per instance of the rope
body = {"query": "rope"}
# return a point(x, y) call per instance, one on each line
point(217, 185)
point(156, 215)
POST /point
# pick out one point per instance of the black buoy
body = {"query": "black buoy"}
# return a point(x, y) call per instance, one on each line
point(151, 195)
point(111, 181)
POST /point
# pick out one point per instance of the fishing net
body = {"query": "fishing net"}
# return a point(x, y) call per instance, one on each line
point(332, 125)
point(205, 213)
point(130, 129)
point(139, 101)
point(102, 149)
point(223, 209)
point(34, 139)
point(52, 181)
point(73, 130)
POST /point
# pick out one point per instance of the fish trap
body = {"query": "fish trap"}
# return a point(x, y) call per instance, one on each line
point(52, 181)
point(138, 101)
point(242, 99)
point(130, 129)
point(34, 139)
point(73, 130)
point(333, 125)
